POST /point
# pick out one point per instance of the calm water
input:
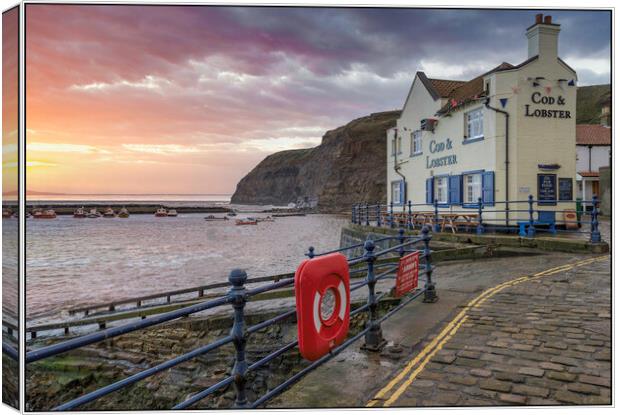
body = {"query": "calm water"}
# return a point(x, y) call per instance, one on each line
point(74, 262)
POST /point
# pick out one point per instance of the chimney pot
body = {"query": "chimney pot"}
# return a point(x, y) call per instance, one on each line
point(539, 18)
point(547, 19)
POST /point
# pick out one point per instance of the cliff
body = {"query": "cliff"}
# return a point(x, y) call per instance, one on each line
point(348, 166)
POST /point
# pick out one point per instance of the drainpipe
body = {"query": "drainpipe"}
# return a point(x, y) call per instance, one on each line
point(396, 168)
point(507, 159)
point(589, 158)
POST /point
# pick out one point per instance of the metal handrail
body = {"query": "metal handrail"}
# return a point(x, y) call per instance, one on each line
point(237, 296)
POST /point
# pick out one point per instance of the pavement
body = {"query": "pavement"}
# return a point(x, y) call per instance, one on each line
point(528, 330)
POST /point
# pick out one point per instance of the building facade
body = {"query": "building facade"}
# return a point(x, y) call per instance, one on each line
point(503, 135)
point(593, 152)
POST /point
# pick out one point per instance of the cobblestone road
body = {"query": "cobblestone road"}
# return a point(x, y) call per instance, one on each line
point(543, 339)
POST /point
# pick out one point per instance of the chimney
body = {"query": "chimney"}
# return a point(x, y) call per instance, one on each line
point(542, 38)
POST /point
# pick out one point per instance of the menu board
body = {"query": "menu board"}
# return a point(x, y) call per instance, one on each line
point(566, 188)
point(547, 189)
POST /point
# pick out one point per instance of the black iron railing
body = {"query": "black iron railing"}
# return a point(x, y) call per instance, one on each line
point(237, 297)
point(527, 217)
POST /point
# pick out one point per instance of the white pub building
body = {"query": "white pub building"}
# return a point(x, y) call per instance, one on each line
point(503, 135)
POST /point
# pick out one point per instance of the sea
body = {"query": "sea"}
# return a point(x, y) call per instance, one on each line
point(75, 262)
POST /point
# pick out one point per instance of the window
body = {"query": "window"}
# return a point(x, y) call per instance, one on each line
point(394, 146)
point(416, 143)
point(441, 189)
point(473, 187)
point(474, 122)
point(396, 192)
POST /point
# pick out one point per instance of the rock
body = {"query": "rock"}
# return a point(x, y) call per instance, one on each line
point(348, 166)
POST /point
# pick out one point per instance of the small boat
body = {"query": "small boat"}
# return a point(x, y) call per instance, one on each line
point(7, 213)
point(123, 213)
point(247, 221)
point(213, 218)
point(109, 213)
point(93, 214)
point(231, 214)
point(173, 213)
point(44, 214)
point(161, 213)
point(266, 219)
point(79, 212)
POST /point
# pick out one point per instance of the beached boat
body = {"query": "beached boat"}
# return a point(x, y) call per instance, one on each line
point(172, 212)
point(123, 213)
point(79, 212)
point(161, 213)
point(246, 221)
point(7, 213)
point(109, 213)
point(44, 214)
point(214, 218)
point(93, 214)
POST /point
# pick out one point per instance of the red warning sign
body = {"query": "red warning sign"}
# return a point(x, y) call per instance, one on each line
point(407, 277)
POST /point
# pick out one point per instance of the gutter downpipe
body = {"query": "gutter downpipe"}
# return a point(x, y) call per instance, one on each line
point(396, 168)
point(507, 161)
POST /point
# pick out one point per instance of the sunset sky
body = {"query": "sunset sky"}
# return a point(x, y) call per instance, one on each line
point(139, 99)
point(10, 22)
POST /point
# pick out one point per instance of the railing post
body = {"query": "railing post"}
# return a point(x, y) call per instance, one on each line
point(367, 215)
point(378, 214)
point(595, 234)
point(480, 227)
point(436, 217)
point(430, 295)
point(353, 213)
point(410, 218)
point(391, 214)
point(359, 214)
point(374, 340)
point(401, 240)
point(237, 279)
point(310, 253)
point(531, 230)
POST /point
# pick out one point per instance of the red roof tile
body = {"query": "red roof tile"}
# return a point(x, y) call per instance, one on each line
point(593, 135)
point(444, 87)
point(588, 173)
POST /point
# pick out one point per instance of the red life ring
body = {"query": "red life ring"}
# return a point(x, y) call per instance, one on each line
point(323, 304)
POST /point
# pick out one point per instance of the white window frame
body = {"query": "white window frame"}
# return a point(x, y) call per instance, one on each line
point(472, 188)
point(396, 192)
point(474, 124)
point(393, 146)
point(416, 143)
point(440, 191)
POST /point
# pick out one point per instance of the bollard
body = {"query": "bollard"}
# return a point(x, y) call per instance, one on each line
point(378, 214)
point(367, 215)
point(430, 295)
point(436, 218)
point(410, 218)
point(480, 227)
point(391, 214)
point(374, 340)
point(531, 230)
point(595, 234)
point(310, 253)
point(401, 240)
point(237, 279)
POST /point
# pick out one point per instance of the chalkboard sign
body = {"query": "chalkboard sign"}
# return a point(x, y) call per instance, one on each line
point(566, 188)
point(547, 190)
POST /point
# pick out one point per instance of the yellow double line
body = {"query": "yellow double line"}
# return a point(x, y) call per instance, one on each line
point(387, 396)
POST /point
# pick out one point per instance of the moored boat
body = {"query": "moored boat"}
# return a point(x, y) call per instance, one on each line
point(266, 219)
point(44, 214)
point(214, 218)
point(79, 213)
point(109, 213)
point(123, 213)
point(7, 213)
point(172, 212)
point(231, 213)
point(161, 213)
point(93, 214)
point(246, 221)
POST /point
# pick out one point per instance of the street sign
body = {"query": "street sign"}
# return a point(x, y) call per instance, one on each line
point(407, 276)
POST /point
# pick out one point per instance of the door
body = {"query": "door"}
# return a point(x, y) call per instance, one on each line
point(595, 188)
